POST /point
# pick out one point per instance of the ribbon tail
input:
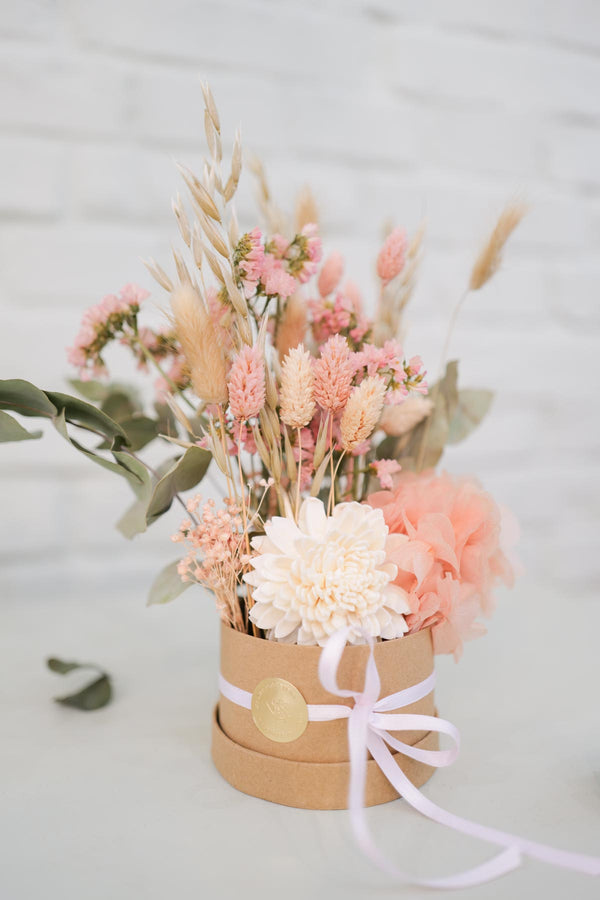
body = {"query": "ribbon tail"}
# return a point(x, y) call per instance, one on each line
point(577, 861)
point(506, 861)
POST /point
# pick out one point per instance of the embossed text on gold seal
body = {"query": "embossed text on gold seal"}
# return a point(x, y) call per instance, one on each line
point(279, 710)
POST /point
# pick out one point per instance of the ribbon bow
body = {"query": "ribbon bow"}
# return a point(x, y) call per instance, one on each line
point(369, 724)
point(370, 721)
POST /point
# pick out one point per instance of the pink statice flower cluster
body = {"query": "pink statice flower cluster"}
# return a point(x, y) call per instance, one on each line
point(446, 540)
point(278, 266)
point(384, 469)
point(114, 317)
point(337, 310)
point(249, 257)
point(402, 377)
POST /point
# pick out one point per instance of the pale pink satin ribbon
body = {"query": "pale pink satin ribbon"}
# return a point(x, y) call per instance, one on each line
point(369, 724)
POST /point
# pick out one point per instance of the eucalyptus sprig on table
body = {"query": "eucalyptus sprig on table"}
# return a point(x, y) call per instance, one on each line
point(95, 695)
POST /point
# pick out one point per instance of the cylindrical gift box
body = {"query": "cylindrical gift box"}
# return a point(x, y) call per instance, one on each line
point(312, 771)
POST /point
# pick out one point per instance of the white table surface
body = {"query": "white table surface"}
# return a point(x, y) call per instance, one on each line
point(124, 803)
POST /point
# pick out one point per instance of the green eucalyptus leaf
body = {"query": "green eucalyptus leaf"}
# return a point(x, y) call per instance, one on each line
point(11, 430)
point(93, 696)
point(167, 585)
point(187, 472)
point(427, 440)
point(133, 520)
point(387, 448)
point(25, 398)
point(95, 391)
point(118, 406)
point(62, 667)
point(83, 414)
point(123, 464)
point(166, 423)
point(140, 430)
point(138, 475)
point(473, 406)
point(448, 388)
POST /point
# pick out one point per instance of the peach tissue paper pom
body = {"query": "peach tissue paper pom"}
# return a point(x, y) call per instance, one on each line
point(445, 538)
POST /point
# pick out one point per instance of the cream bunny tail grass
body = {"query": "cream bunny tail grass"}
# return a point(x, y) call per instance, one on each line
point(297, 402)
point(362, 411)
point(490, 257)
point(201, 345)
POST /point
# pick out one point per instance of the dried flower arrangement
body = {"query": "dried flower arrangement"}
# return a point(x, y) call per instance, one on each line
point(332, 530)
point(269, 366)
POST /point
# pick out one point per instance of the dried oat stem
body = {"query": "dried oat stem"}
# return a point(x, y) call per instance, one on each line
point(490, 256)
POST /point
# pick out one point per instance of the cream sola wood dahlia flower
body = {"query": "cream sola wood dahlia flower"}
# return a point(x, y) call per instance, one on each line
point(312, 578)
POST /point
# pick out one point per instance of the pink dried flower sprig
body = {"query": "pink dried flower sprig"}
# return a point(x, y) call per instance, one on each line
point(402, 377)
point(392, 255)
point(333, 372)
point(246, 384)
point(288, 264)
point(249, 258)
point(114, 317)
point(216, 557)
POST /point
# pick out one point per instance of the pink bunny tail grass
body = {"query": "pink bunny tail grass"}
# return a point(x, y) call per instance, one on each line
point(331, 274)
point(334, 371)
point(392, 255)
point(247, 384)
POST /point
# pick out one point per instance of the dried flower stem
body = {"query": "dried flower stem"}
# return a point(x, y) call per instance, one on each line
point(229, 477)
point(331, 503)
point(299, 430)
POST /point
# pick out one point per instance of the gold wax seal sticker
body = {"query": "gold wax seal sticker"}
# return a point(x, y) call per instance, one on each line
point(279, 710)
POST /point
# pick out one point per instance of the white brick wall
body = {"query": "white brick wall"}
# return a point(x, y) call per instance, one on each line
point(388, 108)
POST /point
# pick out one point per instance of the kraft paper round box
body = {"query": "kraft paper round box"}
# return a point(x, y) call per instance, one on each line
point(312, 771)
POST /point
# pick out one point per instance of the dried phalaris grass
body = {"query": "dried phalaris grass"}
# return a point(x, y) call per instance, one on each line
point(237, 299)
point(307, 211)
point(159, 274)
point(182, 220)
point(196, 245)
point(213, 138)
point(200, 194)
point(182, 270)
point(233, 231)
point(212, 233)
point(201, 345)
point(275, 219)
point(490, 257)
point(213, 263)
point(236, 159)
point(211, 107)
